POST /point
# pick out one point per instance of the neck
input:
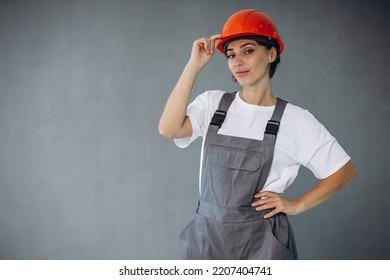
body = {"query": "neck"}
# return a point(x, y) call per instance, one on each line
point(260, 96)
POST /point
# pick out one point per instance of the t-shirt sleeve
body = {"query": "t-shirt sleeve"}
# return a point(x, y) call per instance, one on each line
point(196, 112)
point(322, 154)
point(200, 112)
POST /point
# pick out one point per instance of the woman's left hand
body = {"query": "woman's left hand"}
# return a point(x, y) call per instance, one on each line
point(322, 191)
point(269, 200)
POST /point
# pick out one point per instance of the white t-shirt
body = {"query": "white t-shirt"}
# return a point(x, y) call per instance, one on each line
point(301, 139)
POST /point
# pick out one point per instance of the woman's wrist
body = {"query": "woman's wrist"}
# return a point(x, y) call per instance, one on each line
point(194, 67)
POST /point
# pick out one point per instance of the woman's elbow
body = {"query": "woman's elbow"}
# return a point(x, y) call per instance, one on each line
point(353, 172)
point(175, 131)
point(349, 171)
point(165, 131)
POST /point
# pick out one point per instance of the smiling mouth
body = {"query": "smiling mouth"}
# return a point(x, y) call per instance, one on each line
point(241, 73)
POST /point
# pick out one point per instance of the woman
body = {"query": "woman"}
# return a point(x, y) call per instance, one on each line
point(253, 146)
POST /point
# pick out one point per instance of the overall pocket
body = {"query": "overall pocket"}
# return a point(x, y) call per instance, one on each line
point(234, 158)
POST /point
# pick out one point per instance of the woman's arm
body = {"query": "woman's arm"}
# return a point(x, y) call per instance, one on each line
point(322, 191)
point(173, 122)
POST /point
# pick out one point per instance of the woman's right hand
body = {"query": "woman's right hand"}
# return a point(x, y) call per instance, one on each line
point(203, 50)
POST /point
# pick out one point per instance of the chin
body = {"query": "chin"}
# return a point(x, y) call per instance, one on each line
point(243, 82)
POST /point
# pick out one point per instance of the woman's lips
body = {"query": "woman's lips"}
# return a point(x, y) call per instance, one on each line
point(241, 73)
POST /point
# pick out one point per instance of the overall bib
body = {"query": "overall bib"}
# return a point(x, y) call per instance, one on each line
point(225, 225)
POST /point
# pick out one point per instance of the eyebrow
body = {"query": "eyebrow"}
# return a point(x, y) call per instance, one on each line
point(242, 46)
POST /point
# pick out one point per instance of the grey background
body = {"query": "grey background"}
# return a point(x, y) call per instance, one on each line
point(84, 173)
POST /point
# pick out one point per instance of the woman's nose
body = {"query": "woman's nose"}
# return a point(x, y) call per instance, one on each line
point(238, 61)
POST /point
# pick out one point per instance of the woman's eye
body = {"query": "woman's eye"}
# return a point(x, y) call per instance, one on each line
point(228, 56)
point(249, 51)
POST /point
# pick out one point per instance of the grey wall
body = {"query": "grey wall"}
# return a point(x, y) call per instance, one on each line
point(83, 171)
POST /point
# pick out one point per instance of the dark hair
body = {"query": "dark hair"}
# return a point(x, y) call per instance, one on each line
point(269, 44)
point(263, 41)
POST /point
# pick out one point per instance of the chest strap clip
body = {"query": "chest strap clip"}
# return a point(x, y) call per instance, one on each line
point(272, 127)
point(218, 118)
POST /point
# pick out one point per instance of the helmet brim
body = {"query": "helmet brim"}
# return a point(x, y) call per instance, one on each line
point(225, 41)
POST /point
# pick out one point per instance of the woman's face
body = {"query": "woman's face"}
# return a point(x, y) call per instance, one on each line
point(248, 61)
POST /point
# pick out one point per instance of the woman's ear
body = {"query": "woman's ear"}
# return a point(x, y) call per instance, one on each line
point(273, 53)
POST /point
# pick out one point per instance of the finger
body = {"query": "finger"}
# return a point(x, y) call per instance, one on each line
point(202, 44)
point(264, 194)
point(213, 46)
point(207, 45)
point(269, 202)
point(215, 41)
point(216, 36)
point(265, 207)
point(257, 195)
point(258, 203)
point(272, 213)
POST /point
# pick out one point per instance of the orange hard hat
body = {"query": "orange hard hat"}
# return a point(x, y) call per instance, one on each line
point(249, 23)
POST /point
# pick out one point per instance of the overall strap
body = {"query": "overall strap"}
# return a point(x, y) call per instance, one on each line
point(220, 114)
point(270, 137)
point(273, 124)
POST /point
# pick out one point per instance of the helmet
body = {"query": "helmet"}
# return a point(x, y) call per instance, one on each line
point(249, 23)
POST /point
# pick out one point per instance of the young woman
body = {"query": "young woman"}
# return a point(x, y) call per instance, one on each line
point(253, 146)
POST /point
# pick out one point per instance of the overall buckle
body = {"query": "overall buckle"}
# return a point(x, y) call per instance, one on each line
point(218, 118)
point(272, 127)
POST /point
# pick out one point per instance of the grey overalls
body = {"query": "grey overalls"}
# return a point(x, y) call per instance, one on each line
point(226, 226)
